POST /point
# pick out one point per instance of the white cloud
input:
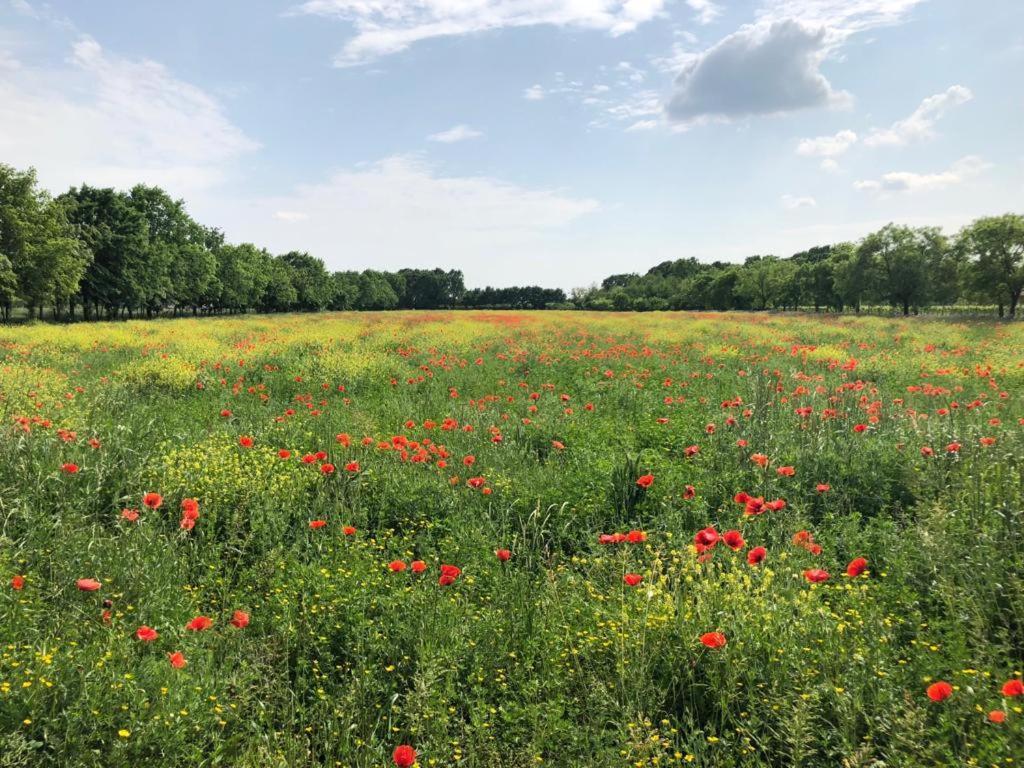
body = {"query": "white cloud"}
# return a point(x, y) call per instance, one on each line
point(292, 217)
point(757, 70)
point(706, 10)
point(455, 134)
point(534, 93)
point(388, 26)
point(793, 202)
point(402, 212)
point(827, 146)
point(906, 181)
point(114, 121)
point(919, 125)
point(841, 18)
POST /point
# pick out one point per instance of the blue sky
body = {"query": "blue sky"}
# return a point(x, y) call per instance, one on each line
point(527, 141)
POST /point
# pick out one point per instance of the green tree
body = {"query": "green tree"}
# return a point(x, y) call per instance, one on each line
point(375, 292)
point(996, 246)
point(902, 257)
point(244, 273)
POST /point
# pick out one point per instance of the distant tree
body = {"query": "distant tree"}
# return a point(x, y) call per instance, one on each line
point(760, 280)
point(310, 280)
point(996, 246)
point(244, 273)
point(853, 274)
point(375, 292)
point(345, 287)
point(902, 256)
point(8, 287)
point(280, 293)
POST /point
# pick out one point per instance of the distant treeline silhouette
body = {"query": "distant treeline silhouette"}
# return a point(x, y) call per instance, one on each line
point(99, 253)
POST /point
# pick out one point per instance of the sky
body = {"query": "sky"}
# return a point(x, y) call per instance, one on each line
point(549, 142)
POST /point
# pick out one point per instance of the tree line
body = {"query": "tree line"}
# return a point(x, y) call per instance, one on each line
point(905, 268)
point(99, 253)
point(94, 253)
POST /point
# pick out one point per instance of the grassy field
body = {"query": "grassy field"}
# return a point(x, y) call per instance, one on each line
point(501, 539)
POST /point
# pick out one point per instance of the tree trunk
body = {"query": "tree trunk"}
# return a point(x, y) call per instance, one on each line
point(906, 308)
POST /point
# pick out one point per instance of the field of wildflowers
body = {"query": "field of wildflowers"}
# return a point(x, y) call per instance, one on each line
point(512, 539)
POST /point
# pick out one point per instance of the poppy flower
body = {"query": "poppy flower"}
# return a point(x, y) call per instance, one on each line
point(327, 469)
point(284, 453)
point(1013, 688)
point(88, 585)
point(146, 634)
point(636, 537)
point(17, 582)
point(240, 619)
point(953, 448)
point(823, 488)
point(713, 639)
point(226, 413)
point(349, 530)
point(352, 466)
point(816, 575)
point(449, 573)
point(645, 481)
point(705, 538)
point(860, 428)
point(757, 555)
point(190, 508)
point(131, 515)
point(734, 540)
point(396, 566)
point(315, 524)
point(689, 492)
point(152, 500)
point(691, 450)
point(785, 471)
point(69, 469)
point(199, 624)
point(997, 716)
point(939, 691)
point(856, 567)
point(177, 659)
point(503, 555)
point(418, 566)
point(632, 579)
point(245, 441)
point(404, 756)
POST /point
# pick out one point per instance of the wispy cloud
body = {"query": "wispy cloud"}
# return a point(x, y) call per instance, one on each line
point(907, 181)
point(920, 124)
point(455, 134)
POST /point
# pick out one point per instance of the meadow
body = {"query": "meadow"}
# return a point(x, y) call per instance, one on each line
point(512, 539)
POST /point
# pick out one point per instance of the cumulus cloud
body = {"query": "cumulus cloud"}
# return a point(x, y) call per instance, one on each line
point(455, 134)
point(116, 121)
point(920, 124)
point(828, 148)
point(907, 181)
point(388, 26)
point(755, 71)
point(793, 202)
point(534, 93)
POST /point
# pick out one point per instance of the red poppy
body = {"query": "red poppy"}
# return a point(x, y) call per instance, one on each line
point(131, 515)
point(689, 492)
point(705, 538)
point(713, 639)
point(757, 555)
point(152, 500)
point(315, 524)
point(856, 567)
point(284, 453)
point(327, 469)
point(816, 575)
point(396, 566)
point(418, 566)
point(177, 659)
point(449, 573)
point(1013, 688)
point(823, 488)
point(226, 413)
point(503, 555)
point(860, 428)
point(404, 756)
point(17, 582)
point(953, 448)
point(645, 481)
point(190, 508)
point(734, 540)
point(245, 441)
point(352, 466)
point(199, 624)
point(69, 468)
point(939, 691)
point(146, 634)
point(997, 716)
point(636, 537)
point(760, 459)
point(88, 585)
point(785, 471)
point(632, 579)
point(349, 530)
point(240, 619)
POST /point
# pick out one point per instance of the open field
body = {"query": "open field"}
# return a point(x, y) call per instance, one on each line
point(276, 498)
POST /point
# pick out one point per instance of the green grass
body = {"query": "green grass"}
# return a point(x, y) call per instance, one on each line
point(549, 659)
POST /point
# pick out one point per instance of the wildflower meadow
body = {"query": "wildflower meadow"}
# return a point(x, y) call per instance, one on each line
point(512, 539)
